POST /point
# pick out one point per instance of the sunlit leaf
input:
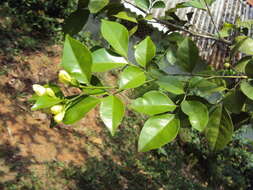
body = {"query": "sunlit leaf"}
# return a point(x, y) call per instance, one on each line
point(123, 15)
point(45, 102)
point(247, 89)
point(111, 112)
point(105, 61)
point(77, 60)
point(96, 5)
point(145, 51)
point(116, 35)
point(197, 112)
point(131, 77)
point(79, 109)
point(153, 102)
point(144, 4)
point(158, 131)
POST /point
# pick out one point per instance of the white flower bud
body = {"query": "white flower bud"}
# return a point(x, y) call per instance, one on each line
point(59, 117)
point(64, 77)
point(57, 109)
point(50, 92)
point(39, 90)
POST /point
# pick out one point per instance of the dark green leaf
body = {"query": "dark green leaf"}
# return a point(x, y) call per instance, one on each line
point(75, 22)
point(96, 5)
point(158, 131)
point(197, 112)
point(111, 112)
point(220, 128)
point(45, 102)
point(171, 84)
point(159, 4)
point(249, 68)
point(145, 51)
point(78, 110)
point(152, 103)
point(104, 61)
point(234, 101)
point(77, 60)
point(187, 54)
point(131, 77)
point(247, 89)
point(116, 35)
point(144, 4)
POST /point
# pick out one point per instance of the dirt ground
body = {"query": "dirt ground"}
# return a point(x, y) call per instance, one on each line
point(26, 135)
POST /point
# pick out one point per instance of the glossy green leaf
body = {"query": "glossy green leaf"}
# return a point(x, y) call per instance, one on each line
point(220, 128)
point(152, 103)
point(131, 77)
point(116, 35)
point(234, 101)
point(171, 84)
point(123, 15)
point(145, 51)
point(105, 61)
point(197, 113)
point(111, 112)
point(241, 64)
point(79, 109)
point(77, 60)
point(144, 4)
point(76, 21)
point(199, 4)
point(158, 131)
point(187, 54)
point(159, 4)
point(45, 101)
point(96, 5)
point(247, 89)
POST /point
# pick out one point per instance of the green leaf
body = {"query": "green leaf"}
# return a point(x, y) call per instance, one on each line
point(111, 112)
point(78, 110)
point(249, 68)
point(45, 102)
point(133, 30)
point(152, 103)
point(123, 15)
point(76, 21)
point(116, 35)
point(187, 54)
point(158, 131)
point(247, 89)
point(77, 60)
point(131, 77)
point(241, 64)
point(171, 56)
point(226, 29)
point(234, 101)
point(171, 84)
point(144, 4)
point(96, 5)
point(220, 129)
point(159, 4)
point(199, 4)
point(145, 51)
point(244, 44)
point(244, 24)
point(197, 112)
point(104, 61)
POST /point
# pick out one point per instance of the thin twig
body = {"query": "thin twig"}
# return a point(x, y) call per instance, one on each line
point(210, 14)
point(166, 23)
